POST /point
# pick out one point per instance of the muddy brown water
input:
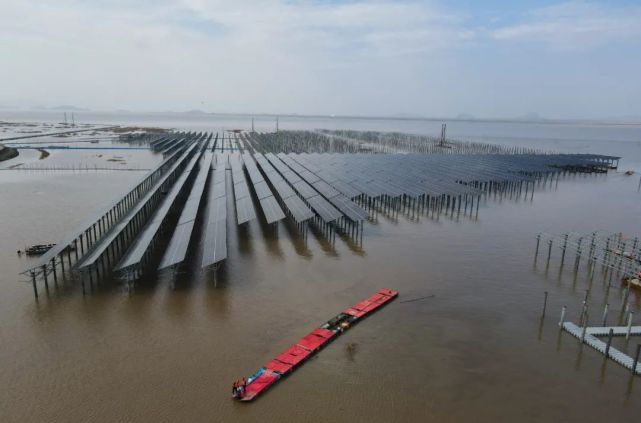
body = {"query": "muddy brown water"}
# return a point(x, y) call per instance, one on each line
point(169, 349)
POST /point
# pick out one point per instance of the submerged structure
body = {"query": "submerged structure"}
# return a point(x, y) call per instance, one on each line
point(589, 335)
point(330, 181)
point(614, 259)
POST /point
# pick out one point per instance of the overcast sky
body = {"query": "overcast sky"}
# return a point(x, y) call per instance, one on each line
point(430, 58)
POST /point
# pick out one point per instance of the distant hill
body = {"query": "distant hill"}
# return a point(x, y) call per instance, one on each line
point(63, 108)
point(69, 108)
point(195, 112)
point(407, 116)
point(531, 117)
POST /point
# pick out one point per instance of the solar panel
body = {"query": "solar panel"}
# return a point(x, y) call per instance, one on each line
point(325, 210)
point(244, 210)
point(305, 189)
point(325, 189)
point(262, 190)
point(299, 210)
point(345, 188)
point(220, 209)
point(218, 188)
point(241, 190)
point(177, 249)
point(291, 177)
point(189, 210)
point(350, 209)
point(309, 177)
point(272, 210)
point(284, 189)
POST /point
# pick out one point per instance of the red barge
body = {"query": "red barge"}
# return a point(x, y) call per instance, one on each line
point(290, 359)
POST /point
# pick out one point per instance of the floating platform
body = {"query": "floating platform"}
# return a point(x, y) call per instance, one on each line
point(292, 357)
point(590, 338)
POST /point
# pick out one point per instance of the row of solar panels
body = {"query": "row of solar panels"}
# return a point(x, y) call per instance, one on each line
point(299, 211)
point(196, 156)
point(244, 205)
point(214, 250)
point(271, 209)
point(215, 244)
point(392, 179)
point(311, 197)
point(412, 175)
point(343, 203)
point(176, 251)
point(148, 200)
point(327, 202)
point(144, 242)
point(228, 142)
point(342, 177)
point(173, 141)
point(136, 193)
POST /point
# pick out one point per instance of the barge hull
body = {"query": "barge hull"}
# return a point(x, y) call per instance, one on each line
point(295, 355)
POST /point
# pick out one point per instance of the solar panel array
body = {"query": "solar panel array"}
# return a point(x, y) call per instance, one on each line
point(296, 207)
point(164, 143)
point(414, 175)
point(321, 207)
point(137, 192)
point(228, 142)
point(119, 228)
point(326, 187)
point(177, 248)
point(173, 146)
point(310, 172)
point(350, 141)
point(137, 252)
point(215, 246)
point(272, 211)
point(159, 140)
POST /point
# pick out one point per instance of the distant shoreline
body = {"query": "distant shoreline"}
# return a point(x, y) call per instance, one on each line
point(197, 113)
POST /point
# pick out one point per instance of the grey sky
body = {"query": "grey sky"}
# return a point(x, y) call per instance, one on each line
point(563, 60)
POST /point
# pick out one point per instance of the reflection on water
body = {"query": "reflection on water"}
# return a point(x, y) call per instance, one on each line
point(166, 350)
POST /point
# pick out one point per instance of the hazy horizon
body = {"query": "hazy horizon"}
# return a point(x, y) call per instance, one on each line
point(435, 59)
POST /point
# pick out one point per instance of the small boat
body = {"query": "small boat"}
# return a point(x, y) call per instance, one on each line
point(633, 282)
point(627, 254)
point(38, 249)
point(293, 357)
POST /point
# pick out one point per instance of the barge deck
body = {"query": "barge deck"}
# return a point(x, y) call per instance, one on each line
point(292, 357)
